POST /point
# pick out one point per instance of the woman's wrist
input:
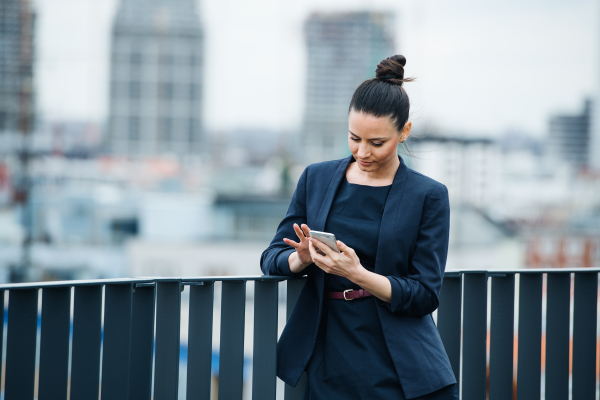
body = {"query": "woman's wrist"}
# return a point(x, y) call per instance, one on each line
point(359, 276)
point(377, 284)
point(296, 266)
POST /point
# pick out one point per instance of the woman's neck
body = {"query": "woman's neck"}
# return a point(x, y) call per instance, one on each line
point(379, 177)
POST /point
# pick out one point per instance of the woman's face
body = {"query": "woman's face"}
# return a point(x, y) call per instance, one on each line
point(374, 141)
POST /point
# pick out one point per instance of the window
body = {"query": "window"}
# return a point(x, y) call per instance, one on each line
point(192, 130)
point(134, 89)
point(193, 92)
point(134, 128)
point(135, 58)
point(167, 59)
point(166, 90)
point(164, 129)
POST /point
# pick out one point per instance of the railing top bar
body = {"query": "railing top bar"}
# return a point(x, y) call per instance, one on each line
point(144, 280)
point(200, 279)
point(192, 280)
point(31, 285)
point(457, 272)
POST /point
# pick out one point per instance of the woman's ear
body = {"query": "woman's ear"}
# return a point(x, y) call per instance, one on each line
point(405, 132)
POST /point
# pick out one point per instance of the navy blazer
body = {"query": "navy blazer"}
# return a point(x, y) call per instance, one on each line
point(411, 253)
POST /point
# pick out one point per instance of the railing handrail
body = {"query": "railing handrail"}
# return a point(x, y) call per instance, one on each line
point(449, 273)
point(199, 279)
point(144, 280)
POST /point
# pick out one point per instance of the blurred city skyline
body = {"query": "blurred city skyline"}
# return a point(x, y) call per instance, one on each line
point(157, 140)
point(527, 59)
point(214, 116)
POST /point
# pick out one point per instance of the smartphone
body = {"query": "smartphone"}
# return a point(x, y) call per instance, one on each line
point(325, 237)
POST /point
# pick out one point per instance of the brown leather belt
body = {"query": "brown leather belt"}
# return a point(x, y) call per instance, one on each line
point(349, 294)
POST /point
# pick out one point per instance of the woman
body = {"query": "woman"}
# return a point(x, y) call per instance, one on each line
point(392, 224)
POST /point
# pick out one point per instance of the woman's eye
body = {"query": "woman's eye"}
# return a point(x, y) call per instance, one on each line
point(355, 139)
point(377, 144)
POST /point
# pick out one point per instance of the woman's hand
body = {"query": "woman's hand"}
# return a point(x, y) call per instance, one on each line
point(344, 264)
point(302, 251)
point(348, 265)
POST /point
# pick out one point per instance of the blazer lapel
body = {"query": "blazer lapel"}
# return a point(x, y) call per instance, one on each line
point(319, 224)
point(385, 248)
point(330, 194)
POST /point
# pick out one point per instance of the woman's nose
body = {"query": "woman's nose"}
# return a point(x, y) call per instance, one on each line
point(363, 151)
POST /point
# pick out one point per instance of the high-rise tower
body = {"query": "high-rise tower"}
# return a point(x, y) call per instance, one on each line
point(17, 108)
point(156, 79)
point(343, 50)
point(570, 136)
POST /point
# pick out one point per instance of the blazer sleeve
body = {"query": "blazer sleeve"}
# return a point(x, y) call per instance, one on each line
point(417, 294)
point(274, 260)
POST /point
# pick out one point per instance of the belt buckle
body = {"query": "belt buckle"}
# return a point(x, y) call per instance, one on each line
point(345, 291)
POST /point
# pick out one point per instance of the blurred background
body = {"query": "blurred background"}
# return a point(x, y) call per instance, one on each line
point(165, 138)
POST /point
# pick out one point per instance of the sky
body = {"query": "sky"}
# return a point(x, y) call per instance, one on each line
point(482, 67)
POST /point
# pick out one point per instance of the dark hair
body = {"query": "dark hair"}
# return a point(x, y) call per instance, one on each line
point(384, 96)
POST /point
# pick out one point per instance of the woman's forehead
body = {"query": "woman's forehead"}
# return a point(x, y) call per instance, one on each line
point(368, 125)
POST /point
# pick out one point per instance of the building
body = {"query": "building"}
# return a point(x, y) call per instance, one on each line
point(569, 137)
point(469, 167)
point(17, 108)
point(343, 50)
point(156, 79)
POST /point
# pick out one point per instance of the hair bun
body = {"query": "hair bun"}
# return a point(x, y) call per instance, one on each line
point(392, 69)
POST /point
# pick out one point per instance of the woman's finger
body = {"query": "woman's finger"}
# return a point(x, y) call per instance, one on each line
point(313, 252)
point(291, 242)
point(322, 246)
point(319, 260)
point(306, 230)
point(299, 232)
point(344, 248)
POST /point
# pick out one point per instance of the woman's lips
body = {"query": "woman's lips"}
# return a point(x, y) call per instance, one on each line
point(365, 163)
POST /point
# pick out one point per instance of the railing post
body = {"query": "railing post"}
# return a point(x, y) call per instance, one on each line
point(449, 321)
point(502, 337)
point(231, 353)
point(199, 371)
point(85, 359)
point(166, 358)
point(585, 316)
point(116, 344)
point(54, 343)
point(20, 343)
point(474, 336)
point(264, 370)
point(558, 301)
point(142, 342)
point(529, 362)
point(294, 287)
point(2, 294)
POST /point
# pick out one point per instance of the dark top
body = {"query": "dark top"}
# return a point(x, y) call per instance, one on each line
point(355, 218)
point(350, 359)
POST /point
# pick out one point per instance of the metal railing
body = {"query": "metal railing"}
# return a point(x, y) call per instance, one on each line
point(121, 338)
point(465, 295)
